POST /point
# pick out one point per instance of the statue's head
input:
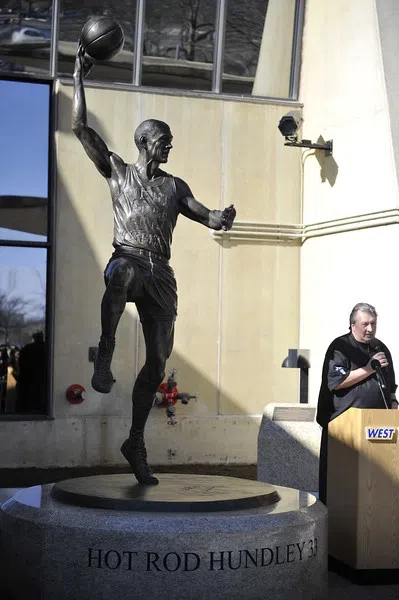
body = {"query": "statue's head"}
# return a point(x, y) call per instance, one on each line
point(154, 138)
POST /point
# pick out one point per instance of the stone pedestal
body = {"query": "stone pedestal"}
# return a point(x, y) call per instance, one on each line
point(289, 446)
point(192, 537)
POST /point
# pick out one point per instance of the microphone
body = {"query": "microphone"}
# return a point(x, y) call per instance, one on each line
point(375, 364)
point(375, 345)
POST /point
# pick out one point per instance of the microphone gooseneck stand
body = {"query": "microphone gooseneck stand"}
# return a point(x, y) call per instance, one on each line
point(381, 383)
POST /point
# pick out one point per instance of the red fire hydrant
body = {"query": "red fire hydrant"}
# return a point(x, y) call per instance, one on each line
point(168, 395)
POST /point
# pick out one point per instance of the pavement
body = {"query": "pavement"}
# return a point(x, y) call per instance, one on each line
point(340, 588)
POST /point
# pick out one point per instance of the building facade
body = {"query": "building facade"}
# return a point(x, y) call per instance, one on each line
point(314, 234)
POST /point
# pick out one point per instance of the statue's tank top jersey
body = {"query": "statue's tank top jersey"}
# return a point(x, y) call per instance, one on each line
point(145, 213)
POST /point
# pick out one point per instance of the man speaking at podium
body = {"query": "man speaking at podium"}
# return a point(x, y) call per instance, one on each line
point(357, 372)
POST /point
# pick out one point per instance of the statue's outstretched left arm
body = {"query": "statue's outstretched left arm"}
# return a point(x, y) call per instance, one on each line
point(194, 210)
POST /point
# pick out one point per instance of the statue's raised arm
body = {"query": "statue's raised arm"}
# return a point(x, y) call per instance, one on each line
point(108, 164)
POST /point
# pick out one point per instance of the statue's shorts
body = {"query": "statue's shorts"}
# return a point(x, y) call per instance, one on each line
point(153, 288)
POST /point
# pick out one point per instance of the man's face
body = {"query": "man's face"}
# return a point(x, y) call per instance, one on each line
point(364, 327)
point(159, 144)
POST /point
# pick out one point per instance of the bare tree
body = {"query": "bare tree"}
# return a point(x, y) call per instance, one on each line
point(41, 305)
point(196, 27)
point(12, 314)
point(18, 313)
point(244, 29)
point(184, 27)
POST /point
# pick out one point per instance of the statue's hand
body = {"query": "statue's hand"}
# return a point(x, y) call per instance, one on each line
point(83, 64)
point(227, 217)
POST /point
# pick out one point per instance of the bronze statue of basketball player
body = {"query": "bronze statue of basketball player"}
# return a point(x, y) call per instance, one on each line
point(146, 203)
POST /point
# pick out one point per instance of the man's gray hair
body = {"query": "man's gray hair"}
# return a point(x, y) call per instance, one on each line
point(362, 307)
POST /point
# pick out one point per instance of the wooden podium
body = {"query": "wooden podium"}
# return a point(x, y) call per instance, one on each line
point(363, 490)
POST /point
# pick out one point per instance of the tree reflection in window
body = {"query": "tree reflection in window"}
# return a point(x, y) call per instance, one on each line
point(23, 330)
point(244, 29)
point(179, 43)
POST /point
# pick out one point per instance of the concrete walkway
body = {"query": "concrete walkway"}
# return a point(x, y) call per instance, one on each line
point(340, 588)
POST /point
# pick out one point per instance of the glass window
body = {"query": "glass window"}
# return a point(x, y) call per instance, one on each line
point(25, 36)
point(24, 126)
point(258, 47)
point(74, 14)
point(24, 247)
point(23, 351)
point(178, 44)
point(178, 48)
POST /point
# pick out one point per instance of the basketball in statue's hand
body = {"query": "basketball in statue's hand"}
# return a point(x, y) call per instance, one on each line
point(101, 38)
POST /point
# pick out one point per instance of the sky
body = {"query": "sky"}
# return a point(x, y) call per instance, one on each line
point(24, 122)
point(24, 109)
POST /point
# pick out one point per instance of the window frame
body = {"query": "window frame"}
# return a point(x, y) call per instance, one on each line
point(217, 72)
point(49, 246)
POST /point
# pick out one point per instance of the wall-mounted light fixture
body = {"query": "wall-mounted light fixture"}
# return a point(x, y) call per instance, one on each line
point(298, 359)
point(290, 124)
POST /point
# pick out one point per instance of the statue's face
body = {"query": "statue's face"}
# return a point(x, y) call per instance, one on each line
point(159, 144)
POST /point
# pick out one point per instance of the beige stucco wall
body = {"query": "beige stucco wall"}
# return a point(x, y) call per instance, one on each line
point(354, 193)
point(238, 295)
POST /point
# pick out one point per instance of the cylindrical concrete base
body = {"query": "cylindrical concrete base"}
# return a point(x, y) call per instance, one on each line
point(53, 550)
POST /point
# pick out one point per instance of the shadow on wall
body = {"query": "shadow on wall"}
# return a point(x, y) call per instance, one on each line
point(328, 166)
point(93, 122)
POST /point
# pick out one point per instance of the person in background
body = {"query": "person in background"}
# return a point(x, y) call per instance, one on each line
point(3, 377)
point(31, 389)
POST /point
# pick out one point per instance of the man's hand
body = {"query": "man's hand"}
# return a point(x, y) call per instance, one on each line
point(83, 64)
point(227, 217)
point(382, 359)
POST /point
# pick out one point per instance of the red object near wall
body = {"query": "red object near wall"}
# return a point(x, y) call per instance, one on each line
point(169, 394)
point(75, 393)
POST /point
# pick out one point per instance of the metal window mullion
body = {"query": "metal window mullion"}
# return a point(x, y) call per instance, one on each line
point(296, 49)
point(138, 42)
point(55, 27)
point(218, 52)
point(50, 258)
point(22, 244)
